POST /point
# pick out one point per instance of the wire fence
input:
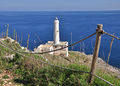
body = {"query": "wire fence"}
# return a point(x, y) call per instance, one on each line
point(61, 67)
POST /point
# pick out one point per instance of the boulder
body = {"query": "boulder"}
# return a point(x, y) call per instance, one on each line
point(9, 56)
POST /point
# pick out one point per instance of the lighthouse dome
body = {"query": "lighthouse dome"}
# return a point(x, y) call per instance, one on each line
point(56, 20)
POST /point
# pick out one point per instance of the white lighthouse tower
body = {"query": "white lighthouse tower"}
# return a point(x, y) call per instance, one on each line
point(56, 31)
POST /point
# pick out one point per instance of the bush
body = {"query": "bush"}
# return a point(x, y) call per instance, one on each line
point(5, 77)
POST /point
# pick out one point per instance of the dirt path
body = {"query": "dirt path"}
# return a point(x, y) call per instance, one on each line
point(6, 79)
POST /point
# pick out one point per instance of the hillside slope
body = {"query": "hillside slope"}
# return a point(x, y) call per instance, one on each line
point(27, 70)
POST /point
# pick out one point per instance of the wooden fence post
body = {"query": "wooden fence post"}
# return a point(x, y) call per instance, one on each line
point(96, 51)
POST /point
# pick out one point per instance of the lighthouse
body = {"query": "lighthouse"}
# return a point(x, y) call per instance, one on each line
point(56, 31)
point(55, 44)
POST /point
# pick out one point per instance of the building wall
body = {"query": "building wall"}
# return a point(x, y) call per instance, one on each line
point(45, 48)
point(63, 52)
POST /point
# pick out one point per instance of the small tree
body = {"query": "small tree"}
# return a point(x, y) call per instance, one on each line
point(28, 41)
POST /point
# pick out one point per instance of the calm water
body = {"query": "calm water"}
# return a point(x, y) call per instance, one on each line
point(40, 27)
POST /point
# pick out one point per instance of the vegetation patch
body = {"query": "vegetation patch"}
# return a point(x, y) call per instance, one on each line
point(29, 71)
point(5, 77)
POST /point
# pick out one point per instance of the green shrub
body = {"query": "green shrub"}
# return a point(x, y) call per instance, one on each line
point(5, 77)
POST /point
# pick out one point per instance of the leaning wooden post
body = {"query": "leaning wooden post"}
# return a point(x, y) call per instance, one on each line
point(96, 50)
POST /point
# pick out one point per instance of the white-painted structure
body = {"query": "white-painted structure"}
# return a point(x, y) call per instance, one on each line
point(56, 44)
point(43, 48)
point(56, 31)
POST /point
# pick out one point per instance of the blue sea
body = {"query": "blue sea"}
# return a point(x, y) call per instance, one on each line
point(39, 24)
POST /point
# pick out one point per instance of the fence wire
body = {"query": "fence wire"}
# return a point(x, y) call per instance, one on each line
point(20, 53)
point(62, 47)
point(111, 35)
point(5, 46)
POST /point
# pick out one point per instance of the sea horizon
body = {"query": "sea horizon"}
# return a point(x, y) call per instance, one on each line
point(54, 10)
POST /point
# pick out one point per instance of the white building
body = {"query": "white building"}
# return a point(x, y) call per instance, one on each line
point(56, 44)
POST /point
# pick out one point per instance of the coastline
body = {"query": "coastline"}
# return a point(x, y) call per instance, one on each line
point(100, 64)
